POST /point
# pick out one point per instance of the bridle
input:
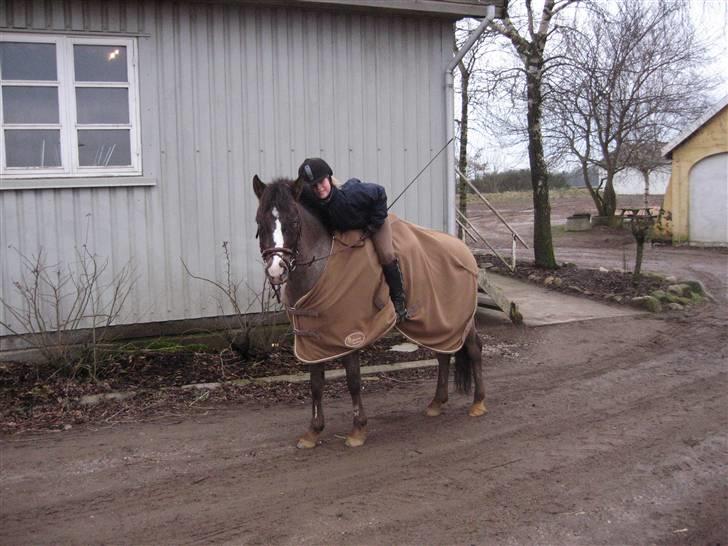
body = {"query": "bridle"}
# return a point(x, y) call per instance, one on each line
point(287, 256)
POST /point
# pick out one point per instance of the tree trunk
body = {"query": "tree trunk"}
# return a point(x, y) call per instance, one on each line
point(543, 249)
point(638, 260)
point(463, 159)
point(598, 203)
point(610, 197)
point(646, 176)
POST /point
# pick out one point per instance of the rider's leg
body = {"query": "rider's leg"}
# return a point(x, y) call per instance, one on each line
point(382, 240)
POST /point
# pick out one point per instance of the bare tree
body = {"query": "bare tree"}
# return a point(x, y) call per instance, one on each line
point(530, 45)
point(630, 80)
point(473, 89)
point(646, 157)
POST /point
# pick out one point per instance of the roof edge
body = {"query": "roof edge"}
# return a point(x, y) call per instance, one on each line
point(445, 8)
point(693, 127)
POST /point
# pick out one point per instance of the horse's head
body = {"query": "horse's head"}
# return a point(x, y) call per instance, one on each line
point(279, 226)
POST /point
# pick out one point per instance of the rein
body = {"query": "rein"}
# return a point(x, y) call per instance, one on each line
point(289, 257)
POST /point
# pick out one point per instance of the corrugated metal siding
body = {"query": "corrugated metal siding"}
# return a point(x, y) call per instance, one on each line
point(228, 91)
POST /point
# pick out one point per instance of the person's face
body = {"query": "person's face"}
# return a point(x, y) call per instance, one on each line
point(322, 188)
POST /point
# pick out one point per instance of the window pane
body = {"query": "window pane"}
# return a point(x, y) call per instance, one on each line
point(101, 105)
point(26, 61)
point(99, 63)
point(30, 104)
point(101, 148)
point(33, 148)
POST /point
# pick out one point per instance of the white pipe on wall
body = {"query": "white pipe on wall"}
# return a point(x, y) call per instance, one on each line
point(450, 117)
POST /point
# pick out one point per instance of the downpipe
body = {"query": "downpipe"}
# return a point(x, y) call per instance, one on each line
point(450, 117)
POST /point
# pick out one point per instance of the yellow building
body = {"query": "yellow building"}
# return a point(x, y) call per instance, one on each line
point(697, 194)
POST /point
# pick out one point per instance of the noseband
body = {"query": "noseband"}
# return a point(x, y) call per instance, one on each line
point(286, 255)
point(289, 258)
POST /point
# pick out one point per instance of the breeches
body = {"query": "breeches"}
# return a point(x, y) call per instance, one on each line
point(382, 240)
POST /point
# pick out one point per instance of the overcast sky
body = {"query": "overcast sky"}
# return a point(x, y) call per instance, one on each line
point(710, 18)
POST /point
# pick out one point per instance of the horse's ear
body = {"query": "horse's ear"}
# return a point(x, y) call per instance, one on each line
point(297, 188)
point(258, 186)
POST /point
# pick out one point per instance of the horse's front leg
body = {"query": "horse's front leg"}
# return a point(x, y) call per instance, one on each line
point(310, 439)
point(358, 434)
point(443, 373)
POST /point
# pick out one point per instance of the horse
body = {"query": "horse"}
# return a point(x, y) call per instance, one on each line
point(295, 245)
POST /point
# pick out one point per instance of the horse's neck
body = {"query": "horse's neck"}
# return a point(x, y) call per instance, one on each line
point(314, 243)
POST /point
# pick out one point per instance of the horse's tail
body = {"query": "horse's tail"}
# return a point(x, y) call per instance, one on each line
point(463, 373)
point(464, 363)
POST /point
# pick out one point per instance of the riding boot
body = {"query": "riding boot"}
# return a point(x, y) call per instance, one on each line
point(393, 276)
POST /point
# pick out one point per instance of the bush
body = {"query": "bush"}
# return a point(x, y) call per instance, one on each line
point(515, 180)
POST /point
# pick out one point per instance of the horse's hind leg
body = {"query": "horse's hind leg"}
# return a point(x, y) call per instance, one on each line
point(310, 439)
point(443, 372)
point(358, 434)
point(474, 350)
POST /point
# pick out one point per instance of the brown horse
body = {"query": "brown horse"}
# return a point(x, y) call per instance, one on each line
point(291, 235)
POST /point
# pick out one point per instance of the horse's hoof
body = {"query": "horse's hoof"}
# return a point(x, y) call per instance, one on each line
point(356, 438)
point(434, 409)
point(477, 409)
point(308, 441)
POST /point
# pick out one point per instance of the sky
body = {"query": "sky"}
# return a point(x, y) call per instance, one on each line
point(710, 17)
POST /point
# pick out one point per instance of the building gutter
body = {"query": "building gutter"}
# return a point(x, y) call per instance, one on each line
point(450, 194)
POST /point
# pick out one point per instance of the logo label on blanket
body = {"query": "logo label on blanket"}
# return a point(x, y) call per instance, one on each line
point(355, 339)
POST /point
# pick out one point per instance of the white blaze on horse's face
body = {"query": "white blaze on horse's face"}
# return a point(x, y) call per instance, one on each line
point(277, 269)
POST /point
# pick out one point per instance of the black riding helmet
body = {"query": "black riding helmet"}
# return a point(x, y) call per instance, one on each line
point(313, 170)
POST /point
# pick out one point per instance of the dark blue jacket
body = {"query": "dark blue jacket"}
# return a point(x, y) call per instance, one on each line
point(355, 205)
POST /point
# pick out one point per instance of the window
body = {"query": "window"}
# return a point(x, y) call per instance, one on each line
point(68, 107)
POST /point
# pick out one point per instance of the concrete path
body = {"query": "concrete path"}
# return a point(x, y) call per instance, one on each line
point(541, 306)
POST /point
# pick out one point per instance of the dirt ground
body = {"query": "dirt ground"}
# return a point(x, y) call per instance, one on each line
point(599, 432)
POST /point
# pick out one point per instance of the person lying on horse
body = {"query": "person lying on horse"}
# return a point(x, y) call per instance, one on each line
point(358, 205)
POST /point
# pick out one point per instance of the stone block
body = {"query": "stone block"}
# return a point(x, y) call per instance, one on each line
point(578, 222)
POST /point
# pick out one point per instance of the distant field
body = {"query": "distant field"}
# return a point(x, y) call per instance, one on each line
point(512, 196)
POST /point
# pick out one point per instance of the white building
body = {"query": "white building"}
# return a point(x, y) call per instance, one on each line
point(136, 127)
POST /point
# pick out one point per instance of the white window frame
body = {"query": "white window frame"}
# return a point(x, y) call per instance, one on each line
point(68, 125)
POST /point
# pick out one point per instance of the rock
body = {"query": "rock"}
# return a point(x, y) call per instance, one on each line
point(671, 279)
point(575, 288)
point(660, 295)
point(675, 307)
point(679, 289)
point(534, 277)
point(548, 281)
point(696, 287)
point(558, 281)
point(603, 270)
point(404, 348)
point(618, 298)
point(93, 399)
point(648, 302)
point(696, 298)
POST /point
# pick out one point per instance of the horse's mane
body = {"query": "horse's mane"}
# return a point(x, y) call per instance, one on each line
point(279, 193)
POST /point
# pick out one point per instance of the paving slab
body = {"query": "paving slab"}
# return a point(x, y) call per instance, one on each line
point(540, 306)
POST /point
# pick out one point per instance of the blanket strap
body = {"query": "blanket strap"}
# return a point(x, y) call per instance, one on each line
point(302, 312)
point(306, 333)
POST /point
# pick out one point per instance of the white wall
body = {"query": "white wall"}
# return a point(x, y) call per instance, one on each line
point(631, 182)
point(228, 91)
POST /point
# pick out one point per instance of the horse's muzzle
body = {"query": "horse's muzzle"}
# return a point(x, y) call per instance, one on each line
point(277, 270)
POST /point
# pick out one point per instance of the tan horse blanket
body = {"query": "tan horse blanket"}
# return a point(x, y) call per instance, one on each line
point(349, 307)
